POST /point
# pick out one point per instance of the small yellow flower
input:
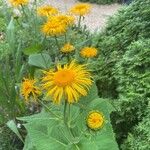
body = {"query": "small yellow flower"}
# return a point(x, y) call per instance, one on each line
point(46, 10)
point(95, 120)
point(29, 88)
point(88, 52)
point(81, 9)
point(67, 48)
point(53, 28)
point(17, 3)
point(69, 82)
point(64, 19)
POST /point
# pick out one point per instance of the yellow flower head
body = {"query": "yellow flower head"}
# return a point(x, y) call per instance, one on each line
point(88, 52)
point(29, 88)
point(81, 9)
point(54, 28)
point(67, 48)
point(69, 82)
point(95, 120)
point(17, 3)
point(46, 10)
point(64, 19)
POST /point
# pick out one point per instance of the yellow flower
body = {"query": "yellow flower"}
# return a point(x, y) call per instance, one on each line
point(67, 48)
point(88, 52)
point(46, 11)
point(69, 82)
point(16, 3)
point(54, 28)
point(29, 88)
point(81, 9)
point(95, 120)
point(64, 19)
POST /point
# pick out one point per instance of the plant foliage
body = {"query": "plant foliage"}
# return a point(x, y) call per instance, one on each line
point(139, 138)
point(34, 52)
point(123, 67)
point(45, 131)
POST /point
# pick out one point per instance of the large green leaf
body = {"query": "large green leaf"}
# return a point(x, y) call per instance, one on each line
point(46, 132)
point(42, 141)
point(11, 34)
point(40, 60)
point(103, 138)
point(39, 128)
point(28, 145)
point(43, 117)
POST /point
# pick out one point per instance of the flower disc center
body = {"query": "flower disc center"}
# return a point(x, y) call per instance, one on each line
point(95, 120)
point(64, 77)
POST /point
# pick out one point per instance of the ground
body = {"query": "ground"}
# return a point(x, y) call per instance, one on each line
point(96, 20)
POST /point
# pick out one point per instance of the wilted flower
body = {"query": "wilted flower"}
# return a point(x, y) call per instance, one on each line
point(28, 88)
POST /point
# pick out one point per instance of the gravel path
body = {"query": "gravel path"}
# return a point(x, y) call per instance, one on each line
point(96, 19)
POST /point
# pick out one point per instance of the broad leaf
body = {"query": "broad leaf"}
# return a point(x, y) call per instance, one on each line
point(40, 60)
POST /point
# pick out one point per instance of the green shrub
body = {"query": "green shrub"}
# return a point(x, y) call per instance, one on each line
point(122, 67)
point(139, 138)
point(133, 84)
point(8, 140)
point(129, 25)
point(12, 68)
point(101, 1)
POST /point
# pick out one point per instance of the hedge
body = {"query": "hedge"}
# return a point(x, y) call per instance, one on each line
point(122, 67)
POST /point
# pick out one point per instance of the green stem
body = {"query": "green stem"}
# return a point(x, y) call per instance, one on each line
point(69, 112)
point(24, 12)
point(58, 47)
point(35, 18)
point(68, 58)
point(65, 38)
point(65, 110)
point(79, 22)
point(66, 121)
point(43, 40)
point(77, 147)
point(57, 43)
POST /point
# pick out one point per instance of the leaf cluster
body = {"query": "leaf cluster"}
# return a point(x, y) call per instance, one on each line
point(122, 68)
point(49, 132)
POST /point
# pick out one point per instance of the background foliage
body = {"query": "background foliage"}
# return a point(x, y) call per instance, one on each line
point(123, 67)
point(139, 138)
point(10, 64)
point(121, 70)
point(45, 131)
